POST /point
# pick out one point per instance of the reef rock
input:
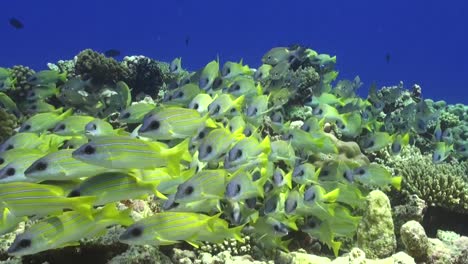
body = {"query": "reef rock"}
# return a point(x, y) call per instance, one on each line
point(375, 234)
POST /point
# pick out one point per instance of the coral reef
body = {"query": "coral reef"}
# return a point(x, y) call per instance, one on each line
point(375, 234)
point(145, 75)
point(7, 124)
point(448, 247)
point(100, 69)
point(415, 240)
point(444, 185)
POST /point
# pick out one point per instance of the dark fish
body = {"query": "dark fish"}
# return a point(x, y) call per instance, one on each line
point(387, 57)
point(187, 40)
point(112, 53)
point(16, 23)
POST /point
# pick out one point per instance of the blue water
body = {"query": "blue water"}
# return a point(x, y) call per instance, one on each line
point(427, 40)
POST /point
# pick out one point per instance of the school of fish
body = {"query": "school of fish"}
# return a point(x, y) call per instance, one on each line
point(216, 153)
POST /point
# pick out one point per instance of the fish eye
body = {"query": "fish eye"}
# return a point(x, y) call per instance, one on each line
point(89, 150)
point(27, 127)
point(310, 194)
point(340, 125)
point(267, 187)
point(256, 175)
point(230, 129)
point(154, 125)
point(9, 147)
point(189, 190)
point(361, 171)
point(209, 149)
point(254, 111)
point(237, 189)
point(291, 206)
point(126, 115)
point(180, 94)
point(137, 231)
point(195, 106)
point(217, 82)
point(238, 153)
point(271, 205)
point(201, 135)
point(437, 157)
point(24, 243)
point(311, 223)
point(186, 81)
point(396, 147)
point(306, 128)
point(348, 176)
point(370, 143)
point(251, 202)
point(40, 166)
point(10, 171)
point(233, 110)
point(217, 109)
point(1, 161)
point(324, 172)
point(277, 228)
point(278, 177)
point(236, 87)
point(60, 127)
point(248, 132)
point(74, 193)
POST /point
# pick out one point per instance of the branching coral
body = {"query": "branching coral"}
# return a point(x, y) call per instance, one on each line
point(444, 185)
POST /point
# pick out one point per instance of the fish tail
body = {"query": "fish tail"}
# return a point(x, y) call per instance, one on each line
point(396, 182)
point(177, 153)
point(66, 113)
point(301, 52)
point(335, 246)
point(209, 122)
point(288, 178)
point(63, 76)
point(157, 193)
point(239, 102)
point(83, 205)
point(265, 145)
point(237, 233)
point(110, 212)
point(332, 196)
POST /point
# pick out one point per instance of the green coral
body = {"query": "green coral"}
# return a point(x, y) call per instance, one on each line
point(100, 69)
point(444, 185)
point(304, 80)
point(298, 112)
point(375, 234)
point(7, 124)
